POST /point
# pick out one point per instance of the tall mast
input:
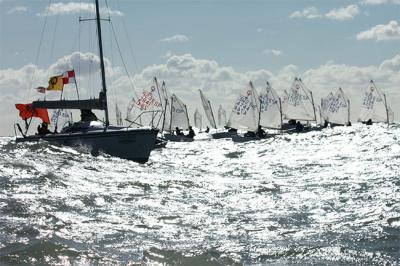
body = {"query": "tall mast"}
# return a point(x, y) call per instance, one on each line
point(103, 74)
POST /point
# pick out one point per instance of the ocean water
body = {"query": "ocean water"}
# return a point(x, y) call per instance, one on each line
point(327, 197)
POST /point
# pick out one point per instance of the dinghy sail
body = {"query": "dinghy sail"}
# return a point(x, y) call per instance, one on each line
point(245, 112)
point(374, 106)
point(208, 109)
point(179, 114)
point(270, 108)
point(299, 103)
point(147, 110)
point(221, 116)
point(338, 110)
point(197, 119)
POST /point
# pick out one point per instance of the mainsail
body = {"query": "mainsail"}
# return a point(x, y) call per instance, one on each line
point(197, 119)
point(208, 109)
point(179, 115)
point(270, 108)
point(245, 113)
point(325, 102)
point(147, 110)
point(299, 104)
point(338, 111)
point(221, 116)
point(374, 106)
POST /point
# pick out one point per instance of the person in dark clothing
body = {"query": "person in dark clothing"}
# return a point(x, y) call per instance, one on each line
point(261, 133)
point(326, 124)
point(207, 129)
point(178, 132)
point(292, 122)
point(43, 129)
point(369, 122)
point(232, 130)
point(348, 124)
point(299, 127)
point(87, 115)
point(191, 133)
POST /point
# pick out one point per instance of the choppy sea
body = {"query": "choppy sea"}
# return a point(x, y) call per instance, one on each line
point(328, 197)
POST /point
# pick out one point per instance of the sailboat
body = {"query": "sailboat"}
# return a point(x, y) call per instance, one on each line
point(271, 115)
point(298, 105)
point(221, 116)
point(338, 110)
point(245, 114)
point(208, 109)
point(374, 107)
point(178, 118)
point(198, 119)
point(128, 143)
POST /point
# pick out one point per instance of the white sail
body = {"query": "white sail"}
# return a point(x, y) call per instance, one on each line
point(147, 109)
point(208, 109)
point(374, 106)
point(245, 110)
point(325, 105)
point(166, 120)
point(270, 108)
point(118, 115)
point(221, 116)
point(60, 118)
point(179, 115)
point(338, 111)
point(197, 119)
point(299, 104)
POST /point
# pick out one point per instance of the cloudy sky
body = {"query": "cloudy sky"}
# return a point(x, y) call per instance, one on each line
point(217, 46)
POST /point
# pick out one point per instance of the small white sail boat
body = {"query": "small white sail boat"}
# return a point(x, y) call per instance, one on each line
point(298, 105)
point(221, 116)
point(324, 107)
point(270, 109)
point(198, 119)
point(147, 110)
point(374, 107)
point(208, 109)
point(179, 119)
point(338, 111)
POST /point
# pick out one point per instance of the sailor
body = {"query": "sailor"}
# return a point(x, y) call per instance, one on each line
point(369, 122)
point(348, 124)
point(191, 133)
point(207, 129)
point(87, 115)
point(261, 133)
point(299, 127)
point(43, 129)
point(178, 132)
point(292, 122)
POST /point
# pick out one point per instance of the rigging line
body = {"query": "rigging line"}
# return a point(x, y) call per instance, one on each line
point(54, 38)
point(129, 40)
point(40, 43)
point(122, 59)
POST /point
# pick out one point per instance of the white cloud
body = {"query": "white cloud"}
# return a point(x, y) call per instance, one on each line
point(76, 8)
point(17, 9)
point(185, 74)
point(343, 13)
point(178, 38)
point(381, 32)
point(308, 12)
point(380, 2)
point(272, 52)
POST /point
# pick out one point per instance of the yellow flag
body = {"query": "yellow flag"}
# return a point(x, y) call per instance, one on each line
point(56, 83)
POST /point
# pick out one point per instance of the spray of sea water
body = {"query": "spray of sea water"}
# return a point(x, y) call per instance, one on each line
point(324, 197)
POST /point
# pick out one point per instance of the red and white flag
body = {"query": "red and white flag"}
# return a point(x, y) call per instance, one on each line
point(69, 77)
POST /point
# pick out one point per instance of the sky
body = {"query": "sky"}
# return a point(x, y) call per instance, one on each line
point(217, 46)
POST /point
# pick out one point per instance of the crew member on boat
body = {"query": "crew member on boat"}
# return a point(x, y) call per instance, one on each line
point(178, 132)
point(191, 133)
point(261, 133)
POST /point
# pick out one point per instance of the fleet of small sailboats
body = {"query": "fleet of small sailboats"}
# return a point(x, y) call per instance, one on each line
point(157, 116)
